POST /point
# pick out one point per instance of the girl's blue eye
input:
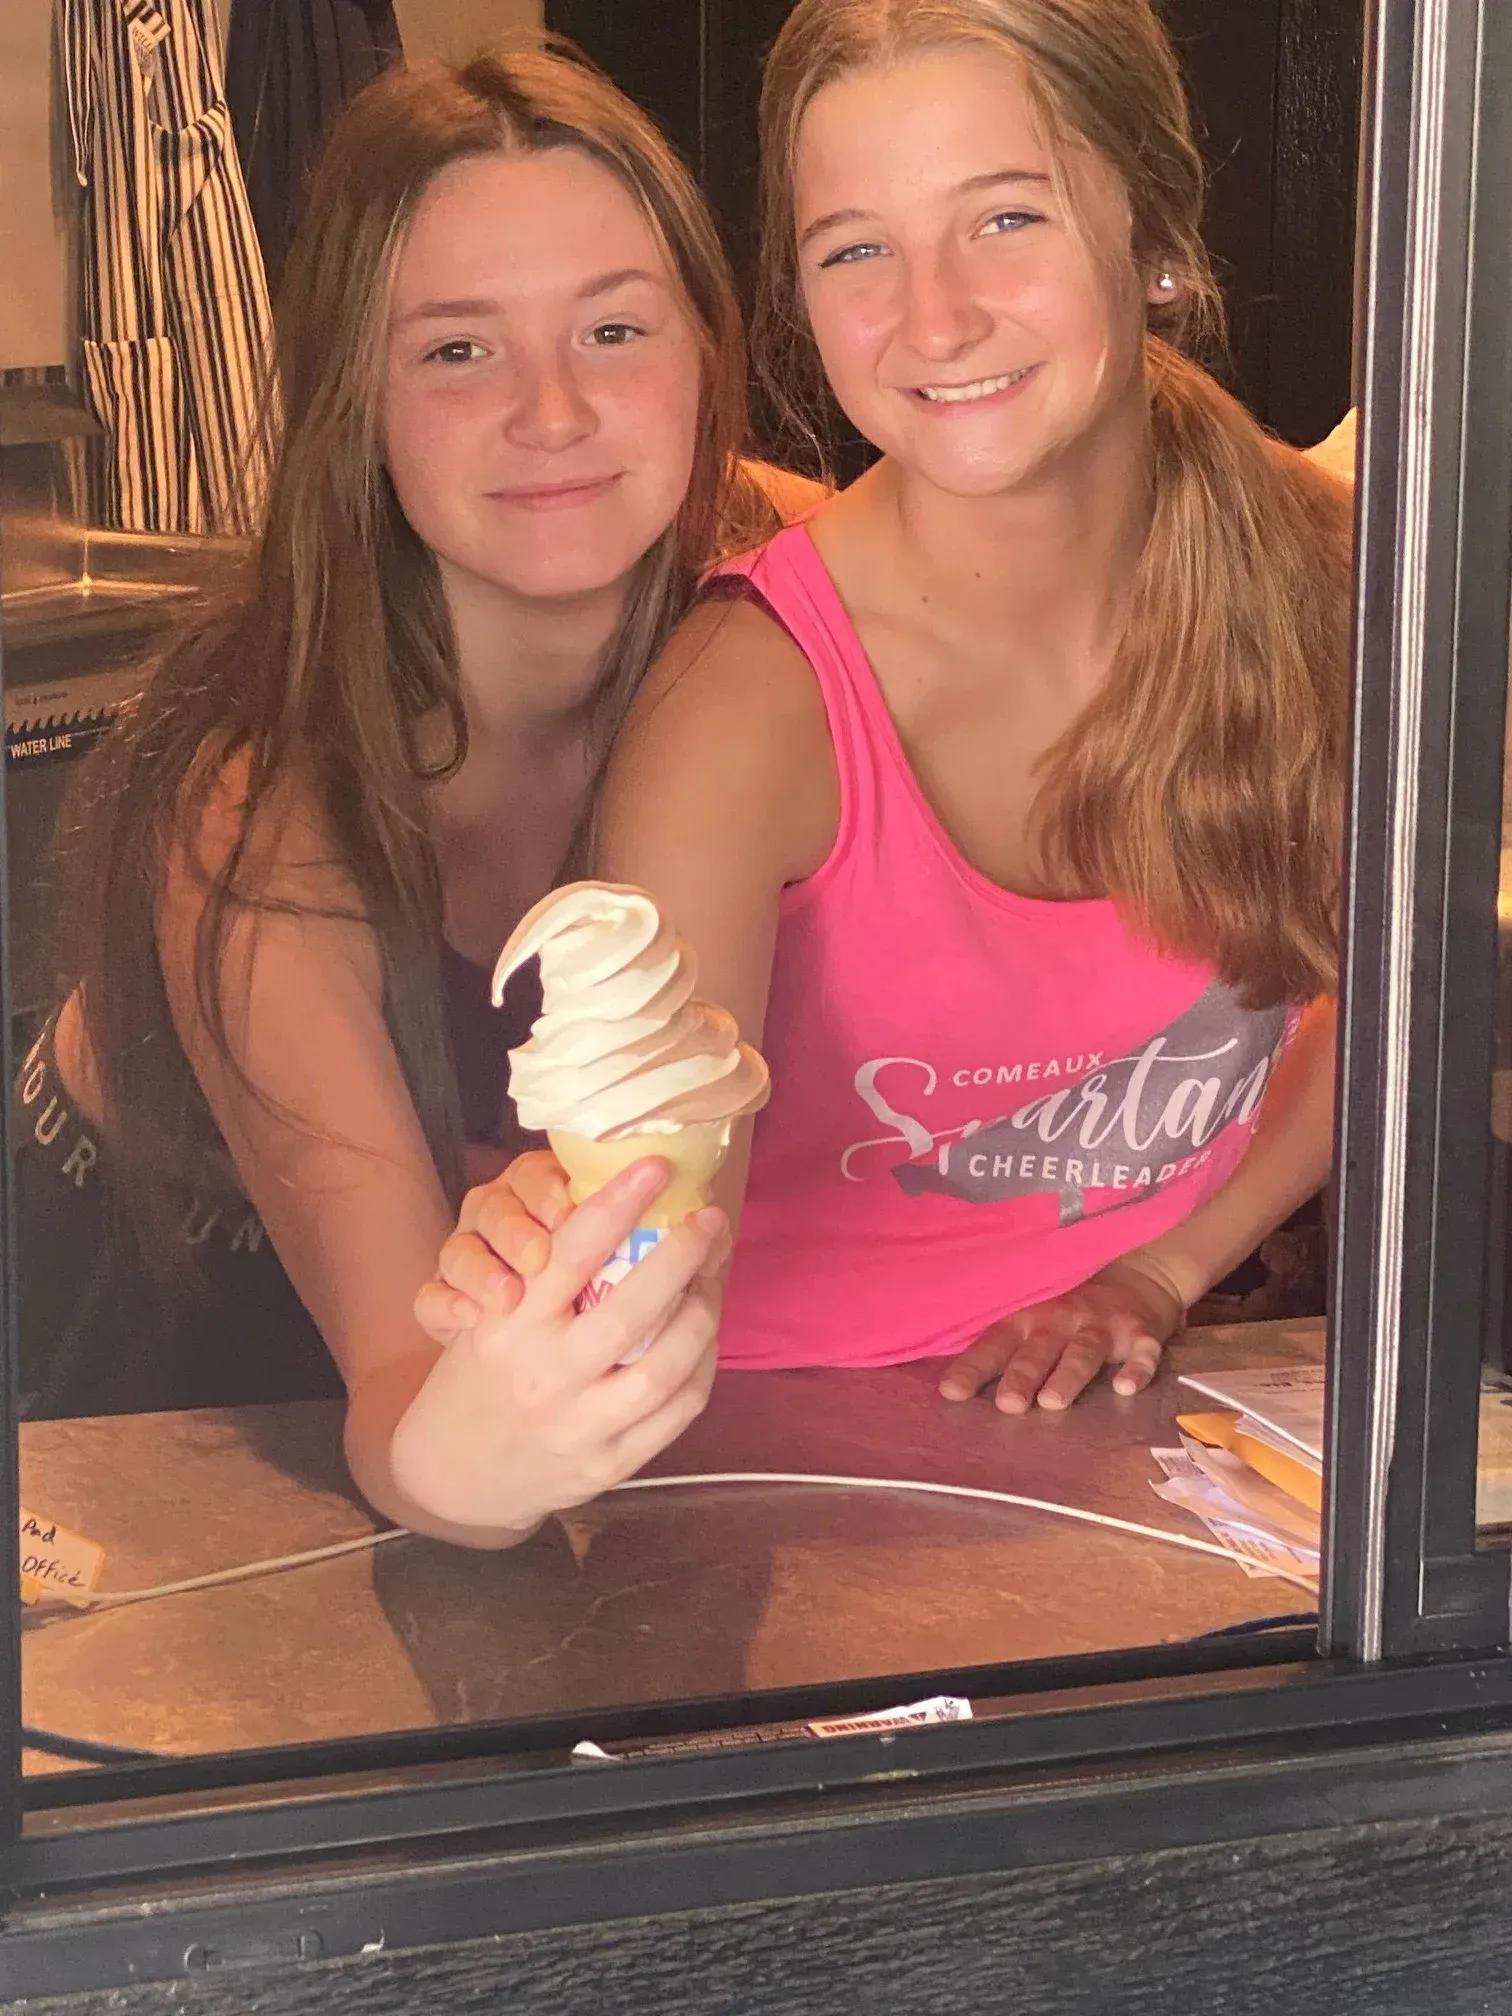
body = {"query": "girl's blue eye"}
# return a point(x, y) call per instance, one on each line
point(849, 255)
point(1007, 221)
point(615, 335)
point(456, 351)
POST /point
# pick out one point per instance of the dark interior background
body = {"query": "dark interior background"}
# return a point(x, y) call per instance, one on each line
point(1275, 85)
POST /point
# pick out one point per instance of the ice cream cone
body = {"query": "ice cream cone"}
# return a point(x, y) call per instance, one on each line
point(625, 1060)
point(695, 1153)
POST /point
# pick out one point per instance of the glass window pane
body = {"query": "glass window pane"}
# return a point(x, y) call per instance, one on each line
point(183, 1409)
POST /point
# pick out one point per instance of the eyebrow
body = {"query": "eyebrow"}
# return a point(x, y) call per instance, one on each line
point(991, 180)
point(452, 311)
point(446, 311)
point(620, 277)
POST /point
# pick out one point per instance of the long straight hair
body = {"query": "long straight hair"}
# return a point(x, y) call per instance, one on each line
point(1203, 787)
point(333, 644)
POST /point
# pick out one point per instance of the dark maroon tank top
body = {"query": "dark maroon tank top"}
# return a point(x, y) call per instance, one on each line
point(481, 1038)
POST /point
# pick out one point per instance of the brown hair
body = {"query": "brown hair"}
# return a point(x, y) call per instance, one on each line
point(334, 643)
point(1203, 787)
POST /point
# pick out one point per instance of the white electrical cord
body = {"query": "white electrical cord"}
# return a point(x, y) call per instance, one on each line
point(115, 1600)
point(964, 1491)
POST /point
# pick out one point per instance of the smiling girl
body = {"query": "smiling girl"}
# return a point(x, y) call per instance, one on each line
point(1002, 799)
point(512, 384)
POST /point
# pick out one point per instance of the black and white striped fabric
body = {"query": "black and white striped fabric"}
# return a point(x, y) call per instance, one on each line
point(173, 301)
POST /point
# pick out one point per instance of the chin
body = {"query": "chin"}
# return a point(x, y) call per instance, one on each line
point(547, 575)
point(560, 582)
point(969, 479)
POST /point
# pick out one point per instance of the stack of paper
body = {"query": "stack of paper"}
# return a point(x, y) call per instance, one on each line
point(1274, 1423)
point(1259, 1546)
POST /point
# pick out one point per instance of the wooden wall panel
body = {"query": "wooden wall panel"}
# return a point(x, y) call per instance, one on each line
point(1390, 1920)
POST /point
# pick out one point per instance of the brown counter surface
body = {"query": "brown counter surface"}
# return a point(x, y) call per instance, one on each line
point(641, 1597)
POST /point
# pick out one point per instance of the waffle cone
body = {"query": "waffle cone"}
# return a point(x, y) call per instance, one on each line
point(694, 1152)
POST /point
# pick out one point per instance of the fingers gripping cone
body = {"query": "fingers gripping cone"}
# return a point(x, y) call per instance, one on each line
point(695, 1153)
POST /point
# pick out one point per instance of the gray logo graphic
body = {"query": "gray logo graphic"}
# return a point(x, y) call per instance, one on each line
point(1125, 1128)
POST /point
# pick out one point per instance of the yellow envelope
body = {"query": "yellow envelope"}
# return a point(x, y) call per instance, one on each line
point(1220, 1431)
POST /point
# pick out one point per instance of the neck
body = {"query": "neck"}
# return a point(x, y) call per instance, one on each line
point(529, 669)
point(1050, 563)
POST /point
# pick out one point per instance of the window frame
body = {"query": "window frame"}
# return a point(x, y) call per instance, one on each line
point(1402, 1576)
point(1434, 558)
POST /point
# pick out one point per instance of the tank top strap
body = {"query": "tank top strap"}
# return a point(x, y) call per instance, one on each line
point(787, 578)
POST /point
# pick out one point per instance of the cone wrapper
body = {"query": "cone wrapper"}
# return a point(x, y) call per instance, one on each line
point(695, 1154)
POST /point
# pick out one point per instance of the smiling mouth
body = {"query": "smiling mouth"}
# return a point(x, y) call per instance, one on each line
point(980, 388)
point(552, 496)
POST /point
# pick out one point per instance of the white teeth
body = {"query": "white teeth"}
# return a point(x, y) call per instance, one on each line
point(954, 395)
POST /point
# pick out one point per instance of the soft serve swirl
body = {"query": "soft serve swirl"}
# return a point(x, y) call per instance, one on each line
point(621, 1046)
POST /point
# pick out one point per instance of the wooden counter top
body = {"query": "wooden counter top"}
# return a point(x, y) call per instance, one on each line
point(641, 1597)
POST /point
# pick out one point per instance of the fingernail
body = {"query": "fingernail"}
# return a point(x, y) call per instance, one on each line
point(1052, 1402)
point(711, 1220)
point(952, 1389)
point(1125, 1385)
point(497, 1281)
point(644, 1179)
point(1012, 1403)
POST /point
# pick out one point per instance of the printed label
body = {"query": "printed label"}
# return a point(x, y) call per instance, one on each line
point(939, 1708)
point(50, 740)
point(643, 1240)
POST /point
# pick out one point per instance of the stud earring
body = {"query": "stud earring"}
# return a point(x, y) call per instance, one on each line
point(1166, 284)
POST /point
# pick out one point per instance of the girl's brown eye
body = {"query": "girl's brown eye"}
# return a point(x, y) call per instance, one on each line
point(455, 352)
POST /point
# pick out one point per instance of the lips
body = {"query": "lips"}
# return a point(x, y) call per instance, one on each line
point(971, 390)
point(556, 496)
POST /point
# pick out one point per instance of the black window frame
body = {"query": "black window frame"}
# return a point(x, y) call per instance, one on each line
point(1414, 1619)
point(1416, 1246)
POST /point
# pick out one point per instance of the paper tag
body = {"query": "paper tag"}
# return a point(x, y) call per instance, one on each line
point(55, 1562)
point(643, 1240)
point(939, 1708)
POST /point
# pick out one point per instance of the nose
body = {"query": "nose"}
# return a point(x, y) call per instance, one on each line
point(549, 411)
point(941, 317)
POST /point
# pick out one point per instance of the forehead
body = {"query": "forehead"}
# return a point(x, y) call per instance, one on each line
point(506, 225)
point(932, 103)
point(915, 129)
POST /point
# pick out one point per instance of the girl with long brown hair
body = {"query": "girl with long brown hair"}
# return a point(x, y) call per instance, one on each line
point(510, 390)
point(1003, 798)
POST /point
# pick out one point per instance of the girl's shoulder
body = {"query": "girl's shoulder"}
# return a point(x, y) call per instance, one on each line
point(265, 850)
point(790, 495)
point(271, 834)
point(760, 569)
point(728, 740)
point(1336, 454)
point(733, 650)
point(732, 700)
point(1325, 476)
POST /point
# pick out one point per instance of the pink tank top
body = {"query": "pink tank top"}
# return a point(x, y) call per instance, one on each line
point(978, 1099)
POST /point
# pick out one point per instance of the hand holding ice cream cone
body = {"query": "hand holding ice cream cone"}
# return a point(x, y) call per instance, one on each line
point(524, 1412)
